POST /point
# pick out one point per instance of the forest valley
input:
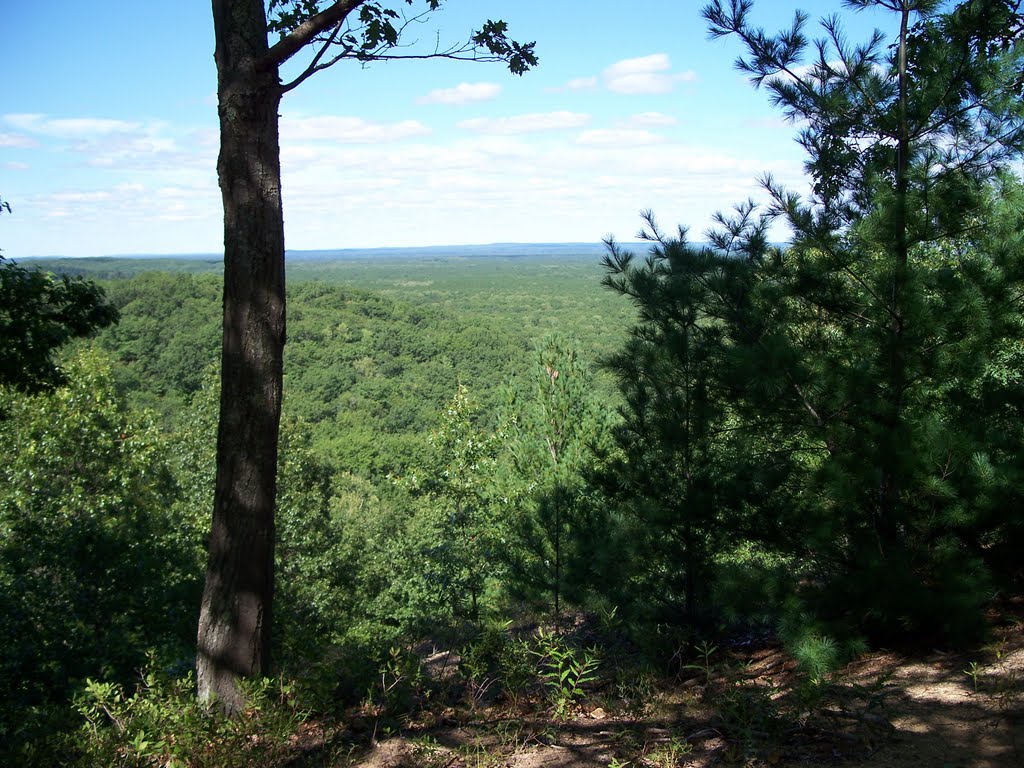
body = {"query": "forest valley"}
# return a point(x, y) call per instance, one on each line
point(689, 503)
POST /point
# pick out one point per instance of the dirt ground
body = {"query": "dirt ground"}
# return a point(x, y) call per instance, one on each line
point(942, 710)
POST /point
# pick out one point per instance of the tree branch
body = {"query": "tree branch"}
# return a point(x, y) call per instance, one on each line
point(303, 34)
point(314, 65)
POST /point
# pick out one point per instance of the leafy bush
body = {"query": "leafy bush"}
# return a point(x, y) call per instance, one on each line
point(161, 723)
point(565, 671)
point(495, 655)
point(95, 568)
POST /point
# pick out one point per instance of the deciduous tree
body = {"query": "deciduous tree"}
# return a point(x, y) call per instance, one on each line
point(39, 313)
point(94, 568)
point(235, 620)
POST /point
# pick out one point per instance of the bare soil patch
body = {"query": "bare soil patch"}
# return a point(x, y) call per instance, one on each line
point(884, 709)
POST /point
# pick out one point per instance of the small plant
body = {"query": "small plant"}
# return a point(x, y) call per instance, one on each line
point(706, 651)
point(398, 689)
point(747, 714)
point(429, 754)
point(1008, 690)
point(626, 740)
point(609, 618)
point(636, 690)
point(667, 754)
point(564, 672)
point(817, 656)
point(509, 733)
point(496, 660)
point(477, 756)
point(973, 671)
point(516, 669)
point(480, 661)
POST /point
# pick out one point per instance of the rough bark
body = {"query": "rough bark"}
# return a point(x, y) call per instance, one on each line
point(235, 618)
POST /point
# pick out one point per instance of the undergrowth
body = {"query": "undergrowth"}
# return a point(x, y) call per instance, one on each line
point(162, 723)
point(512, 687)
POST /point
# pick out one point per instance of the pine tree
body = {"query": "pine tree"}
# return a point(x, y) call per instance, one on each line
point(678, 473)
point(892, 297)
point(552, 424)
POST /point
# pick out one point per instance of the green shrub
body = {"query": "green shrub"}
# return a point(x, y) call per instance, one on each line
point(161, 723)
point(496, 656)
point(565, 671)
point(819, 649)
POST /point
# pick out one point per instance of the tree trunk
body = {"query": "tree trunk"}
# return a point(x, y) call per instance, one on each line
point(235, 618)
point(894, 441)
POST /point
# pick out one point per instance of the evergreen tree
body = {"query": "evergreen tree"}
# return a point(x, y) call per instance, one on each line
point(553, 422)
point(689, 462)
point(836, 399)
point(880, 313)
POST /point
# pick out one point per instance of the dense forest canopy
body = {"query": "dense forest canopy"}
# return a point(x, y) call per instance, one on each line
point(821, 440)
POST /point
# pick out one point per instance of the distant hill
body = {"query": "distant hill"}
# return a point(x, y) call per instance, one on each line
point(122, 266)
point(433, 251)
point(501, 250)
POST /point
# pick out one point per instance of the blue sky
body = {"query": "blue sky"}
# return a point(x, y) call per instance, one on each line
point(108, 130)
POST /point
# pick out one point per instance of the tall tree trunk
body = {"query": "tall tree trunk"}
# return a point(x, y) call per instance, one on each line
point(888, 518)
point(235, 618)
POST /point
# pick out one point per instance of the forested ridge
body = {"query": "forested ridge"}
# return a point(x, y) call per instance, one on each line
point(368, 371)
point(678, 489)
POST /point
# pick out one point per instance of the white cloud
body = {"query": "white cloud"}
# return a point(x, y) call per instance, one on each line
point(491, 187)
point(97, 196)
point(70, 127)
point(463, 93)
point(772, 123)
point(556, 175)
point(467, 182)
point(204, 137)
point(581, 83)
point(656, 62)
point(650, 120)
point(17, 141)
point(116, 145)
point(176, 193)
point(112, 151)
point(529, 123)
point(176, 211)
point(14, 165)
point(576, 84)
point(624, 137)
point(348, 130)
point(645, 75)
